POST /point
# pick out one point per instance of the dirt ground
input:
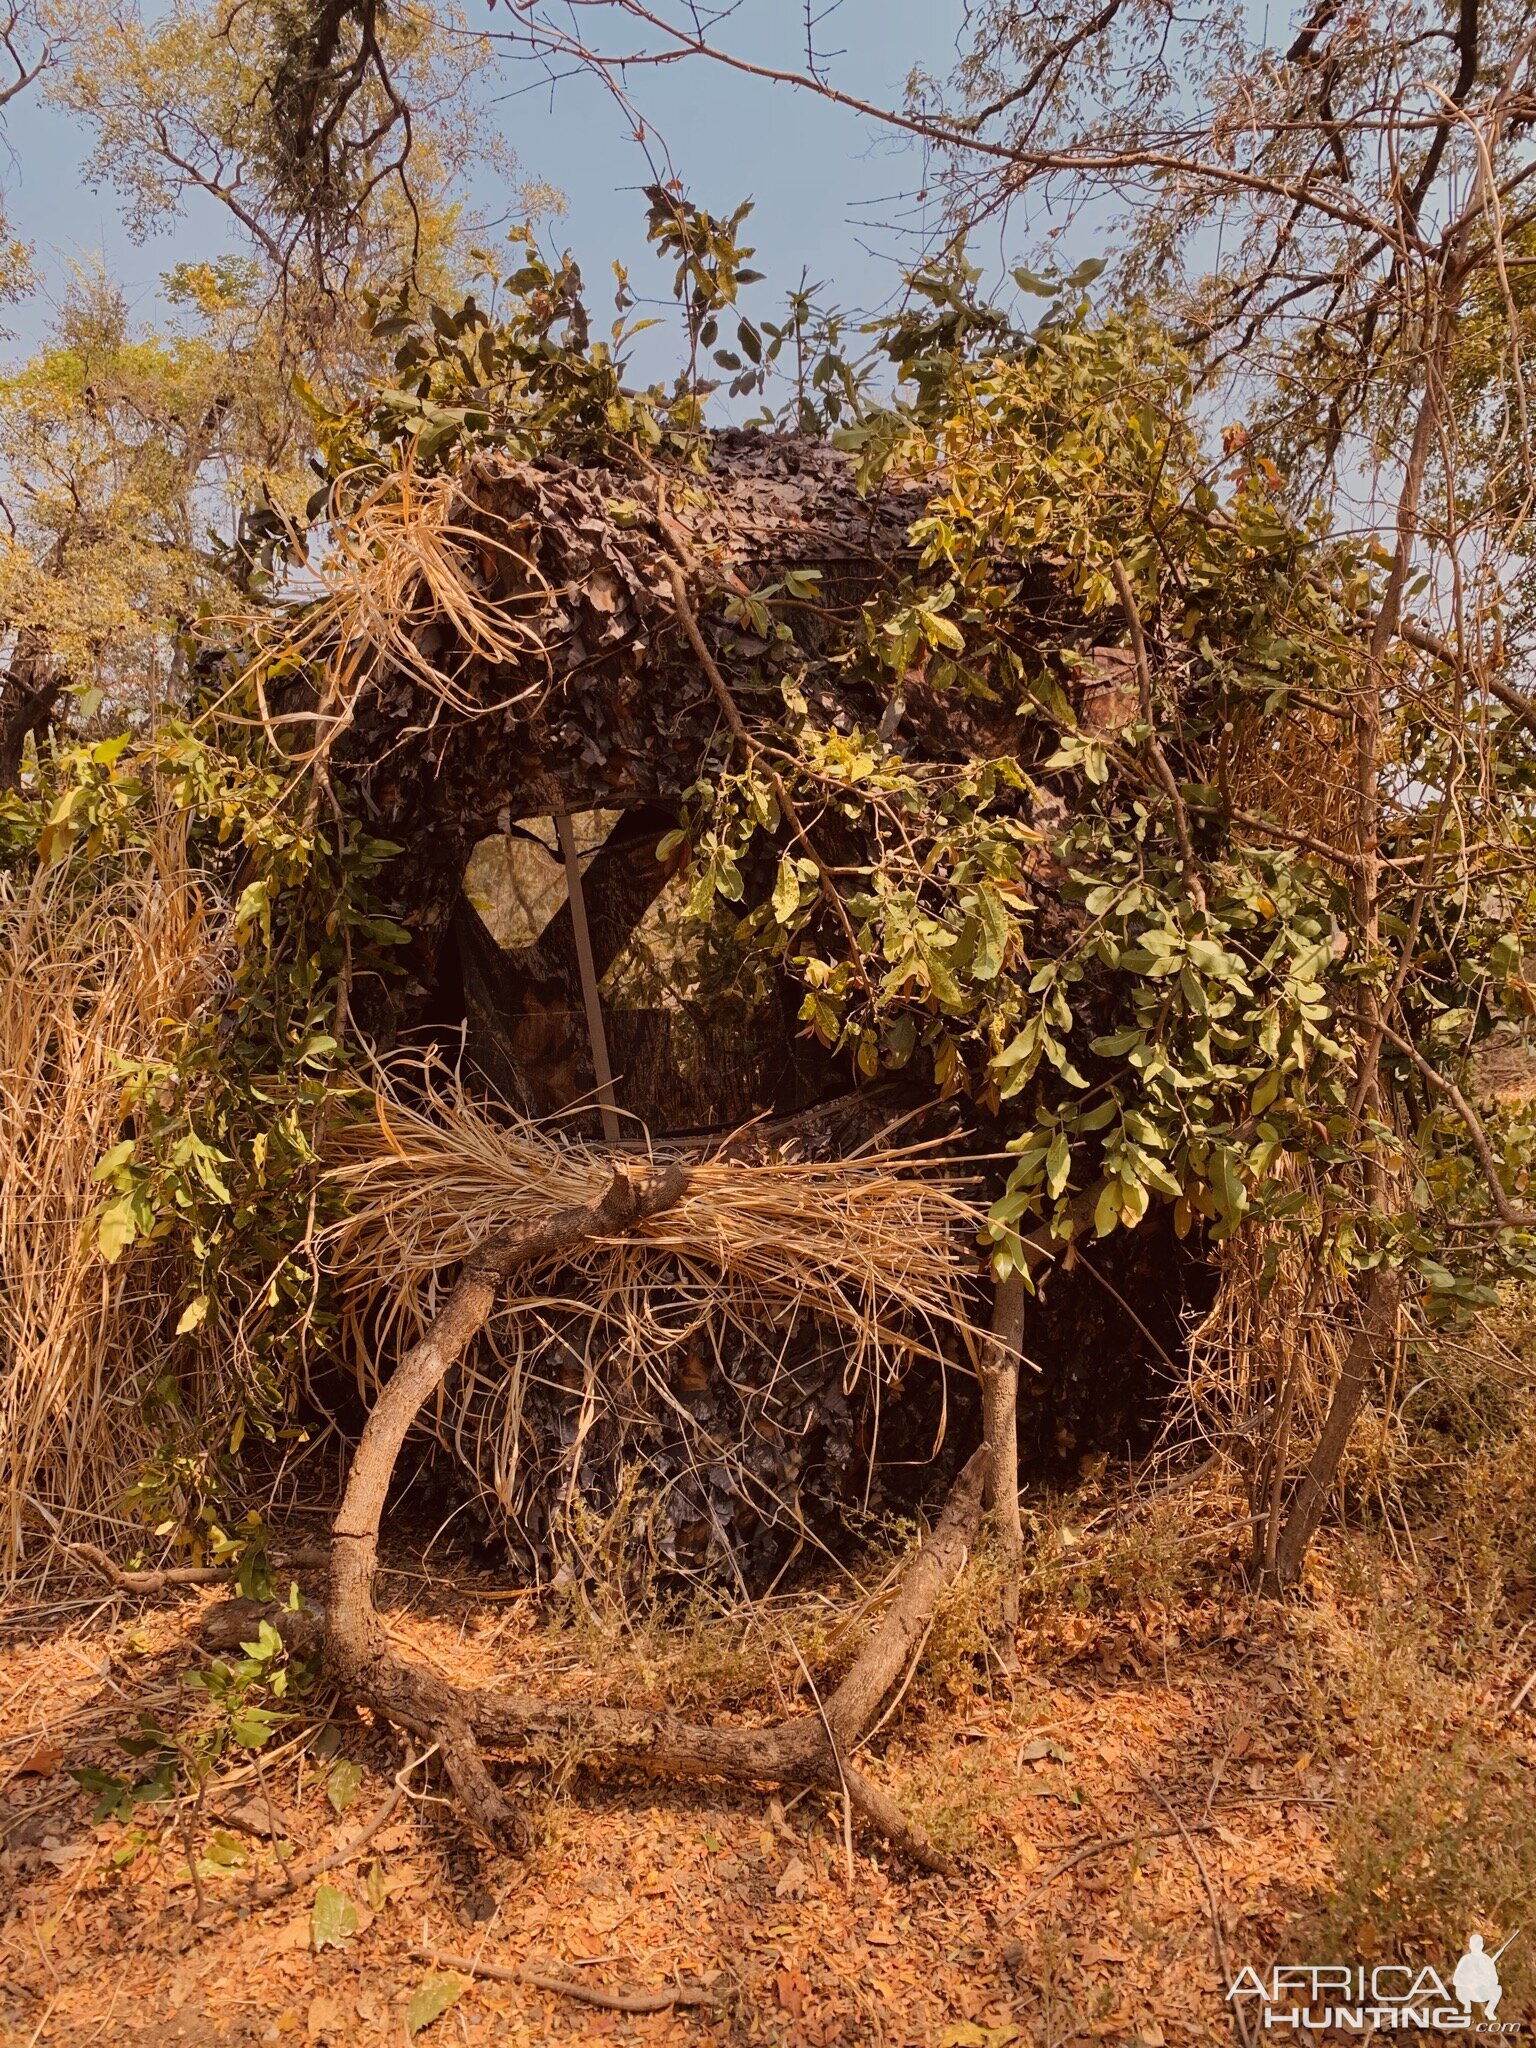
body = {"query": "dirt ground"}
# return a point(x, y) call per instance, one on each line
point(1138, 1812)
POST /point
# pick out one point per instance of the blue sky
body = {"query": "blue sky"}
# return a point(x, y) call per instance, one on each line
point(833, 192)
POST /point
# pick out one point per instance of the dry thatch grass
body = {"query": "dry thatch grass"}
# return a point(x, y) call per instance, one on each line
point(404, 573)
point(868, 1256)
point(91, 976)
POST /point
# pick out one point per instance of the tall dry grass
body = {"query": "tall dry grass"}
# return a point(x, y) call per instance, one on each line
point(92, 974)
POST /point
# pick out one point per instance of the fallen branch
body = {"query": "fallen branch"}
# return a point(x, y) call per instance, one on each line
point(296, 1875)
point(1218, 1937)
point(1105, 1843)
point(160, 1581)
point(568, 1987)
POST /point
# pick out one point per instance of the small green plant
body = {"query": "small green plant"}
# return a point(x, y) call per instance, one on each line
point(245, 1703)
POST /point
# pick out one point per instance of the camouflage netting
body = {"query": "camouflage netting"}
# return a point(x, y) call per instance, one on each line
point(611, 723)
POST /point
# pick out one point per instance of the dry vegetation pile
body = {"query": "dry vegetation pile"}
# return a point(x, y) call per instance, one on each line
point(655, 1378)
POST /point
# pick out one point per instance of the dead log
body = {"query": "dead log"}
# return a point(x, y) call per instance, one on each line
point(810, 1749)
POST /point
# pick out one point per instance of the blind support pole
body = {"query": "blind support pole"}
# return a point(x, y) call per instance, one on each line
point(602, 1071)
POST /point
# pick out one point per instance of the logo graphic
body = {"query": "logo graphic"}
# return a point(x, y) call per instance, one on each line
point(1475, 1979)
point(1356, 1998)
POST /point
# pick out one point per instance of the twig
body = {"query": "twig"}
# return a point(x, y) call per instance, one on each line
point(1219, 1939)
point(602, 1066)
point(296, 1875)
point(837, 1758)
point(1271, 830)
point(1419, 636)
point(569, 1987)
point(1108, 1842)
point(1165, 776)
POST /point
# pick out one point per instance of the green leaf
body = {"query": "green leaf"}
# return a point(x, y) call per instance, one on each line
point(109, 1162)
point(116, 1229)
point(333, 1920)
point(1227, 1185)
point(1266, 1091)
point(786, 891)
point(1058, 1164)
point(252, 1727)
point(431, 2002)
point(1114, 1043)
point(341, 1786)
point(1019, 1047)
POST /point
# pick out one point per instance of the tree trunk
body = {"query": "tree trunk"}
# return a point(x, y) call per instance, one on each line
point(29, 690)
point(1373, 1333)
point(999, 1372)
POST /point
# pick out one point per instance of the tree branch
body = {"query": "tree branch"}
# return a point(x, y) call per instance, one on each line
point(1513, 1218)
point(1165, 776)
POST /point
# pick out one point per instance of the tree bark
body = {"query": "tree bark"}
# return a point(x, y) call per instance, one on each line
point(1373, 1333)
point(999, 1373)
point(29, 691)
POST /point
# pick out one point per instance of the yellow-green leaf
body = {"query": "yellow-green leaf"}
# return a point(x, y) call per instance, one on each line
point(192, 1315)
point(116, 1229)
point(341, 1786)
point(332, 1919)
point(786, 891)
point(431, 2002)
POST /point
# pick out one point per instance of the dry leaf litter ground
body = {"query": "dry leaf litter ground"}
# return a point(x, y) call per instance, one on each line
point(1166, 1747)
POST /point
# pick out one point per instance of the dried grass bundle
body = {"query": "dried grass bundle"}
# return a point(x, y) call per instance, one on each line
point(90, 977)
point(686, 1327)
point(403, 574)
